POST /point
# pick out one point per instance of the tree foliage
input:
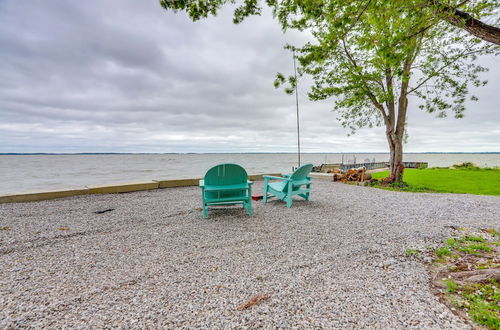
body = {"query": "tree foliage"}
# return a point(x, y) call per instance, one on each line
point(360, 47)
point(370, 56)
point(390, 51)
point(466, 14)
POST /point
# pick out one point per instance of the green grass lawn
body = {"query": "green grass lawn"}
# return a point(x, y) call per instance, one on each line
point(478, 182)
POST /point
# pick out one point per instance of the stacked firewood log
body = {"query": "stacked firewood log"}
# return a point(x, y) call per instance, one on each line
point(350, 175)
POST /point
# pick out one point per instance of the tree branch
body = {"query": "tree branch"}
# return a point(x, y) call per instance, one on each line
point(435, 73)
point(465, 21)
point(390, 92)
point(357, 18)
point(369, 93)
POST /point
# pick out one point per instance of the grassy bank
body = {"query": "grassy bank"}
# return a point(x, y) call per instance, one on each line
point(462, 181)
point(464, 275)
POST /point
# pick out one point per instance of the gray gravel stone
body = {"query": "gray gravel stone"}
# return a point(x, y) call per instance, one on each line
point(337, 261)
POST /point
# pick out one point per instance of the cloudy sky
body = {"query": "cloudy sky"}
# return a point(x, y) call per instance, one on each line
point(126, 76)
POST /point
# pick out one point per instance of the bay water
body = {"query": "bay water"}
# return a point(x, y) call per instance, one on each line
point(28, 173)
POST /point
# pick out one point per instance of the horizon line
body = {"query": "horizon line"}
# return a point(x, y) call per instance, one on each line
point(219, 153)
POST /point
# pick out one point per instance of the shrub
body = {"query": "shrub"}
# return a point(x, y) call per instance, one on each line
point(412, 253)
point(422, 166)
point(451, 286)
point(399, 185)
point(443, 251)
point(466, 166)
point(451, 242)
point(474, 238)
point(474, 248)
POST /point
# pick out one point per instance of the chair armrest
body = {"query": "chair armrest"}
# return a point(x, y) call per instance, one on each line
point(202, 183)
point(250, 183)
point(275, 178)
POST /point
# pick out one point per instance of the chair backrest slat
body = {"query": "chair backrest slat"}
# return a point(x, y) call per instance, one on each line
point(226, 174)
point(302, 172)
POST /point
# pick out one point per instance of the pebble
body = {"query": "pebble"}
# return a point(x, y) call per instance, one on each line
point(337, 261)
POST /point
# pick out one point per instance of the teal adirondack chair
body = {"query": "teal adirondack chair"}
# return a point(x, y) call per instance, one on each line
point(297, 183)
point(226, 184)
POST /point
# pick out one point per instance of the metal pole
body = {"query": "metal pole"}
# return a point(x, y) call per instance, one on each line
point(297, 101)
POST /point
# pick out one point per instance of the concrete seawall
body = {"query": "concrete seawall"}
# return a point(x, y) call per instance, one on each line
point(109, 189)
point(130, 187)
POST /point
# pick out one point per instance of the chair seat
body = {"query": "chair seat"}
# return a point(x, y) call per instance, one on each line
point(297, 183)
point(279, 186)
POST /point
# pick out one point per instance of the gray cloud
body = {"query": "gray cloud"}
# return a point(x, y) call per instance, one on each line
point(126, 76)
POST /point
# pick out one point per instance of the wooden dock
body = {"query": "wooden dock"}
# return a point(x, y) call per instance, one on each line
point(323, 168)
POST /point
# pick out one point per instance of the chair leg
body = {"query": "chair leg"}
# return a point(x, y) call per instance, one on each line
point(248, 206)
point(205, 211)
point(264, 194)
point(248, 203)
point(309, 191)
point(288, 197)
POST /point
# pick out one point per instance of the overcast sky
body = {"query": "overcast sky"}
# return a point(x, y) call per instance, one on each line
point(127, 76)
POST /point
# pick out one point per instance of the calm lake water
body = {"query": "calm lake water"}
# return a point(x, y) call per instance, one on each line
point(26, 173)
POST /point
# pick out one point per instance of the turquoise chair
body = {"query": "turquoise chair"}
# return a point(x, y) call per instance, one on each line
point(297, 183)
point(226, 184)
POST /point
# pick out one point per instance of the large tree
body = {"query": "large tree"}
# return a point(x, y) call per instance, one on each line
point(371, 59)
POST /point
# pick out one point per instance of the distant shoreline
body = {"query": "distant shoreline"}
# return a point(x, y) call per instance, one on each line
point(227, 153)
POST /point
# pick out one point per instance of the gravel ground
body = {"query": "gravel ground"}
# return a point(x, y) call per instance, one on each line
point(337, 261)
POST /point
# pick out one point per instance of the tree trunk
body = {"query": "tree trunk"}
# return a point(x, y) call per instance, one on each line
point(396, 159)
